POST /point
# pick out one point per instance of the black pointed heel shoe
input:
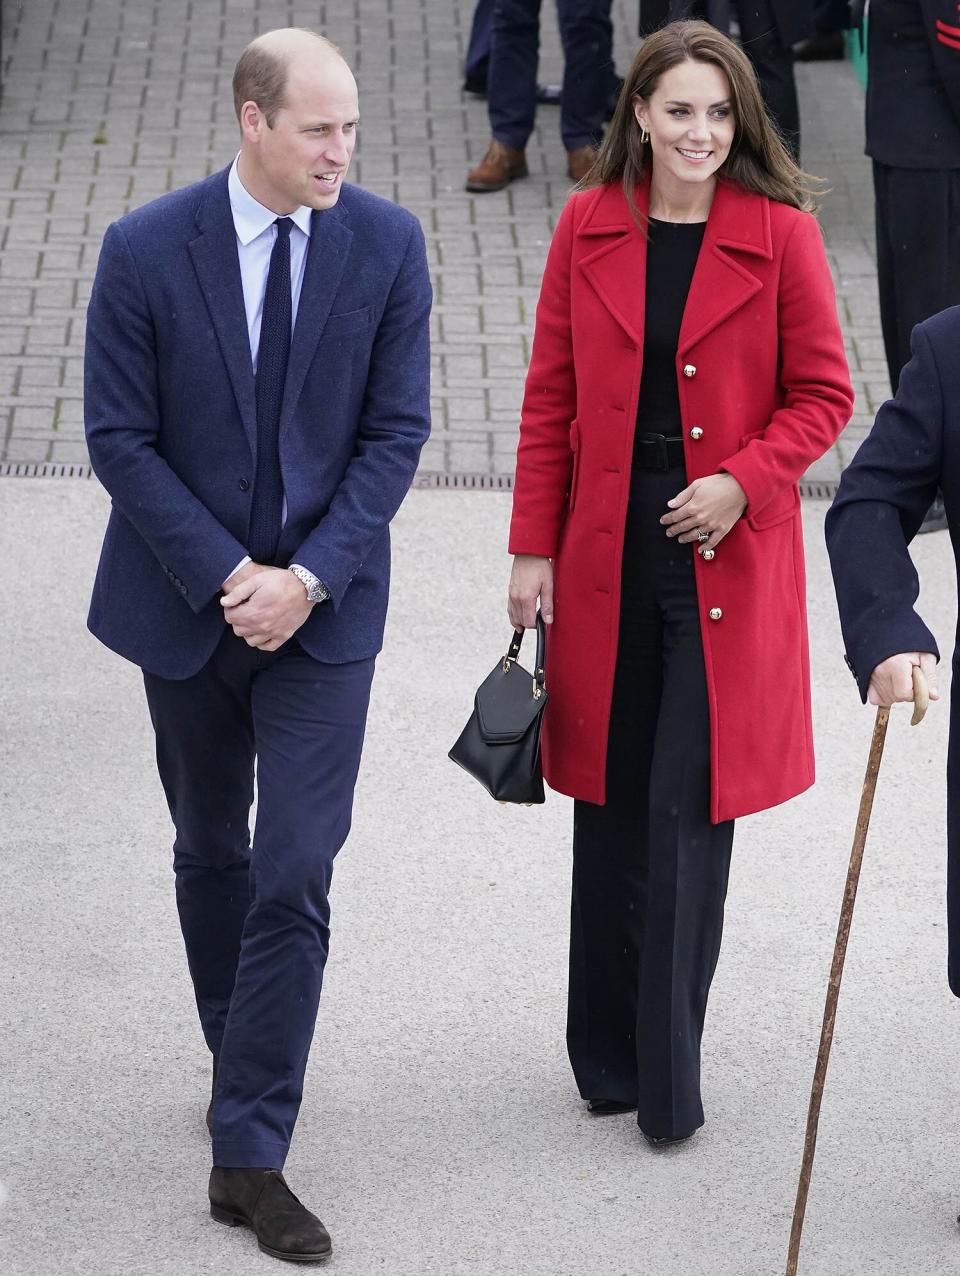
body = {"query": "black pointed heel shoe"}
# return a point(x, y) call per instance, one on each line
point(609, 1107)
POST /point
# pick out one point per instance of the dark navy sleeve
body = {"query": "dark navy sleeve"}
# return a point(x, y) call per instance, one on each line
point(884, 495)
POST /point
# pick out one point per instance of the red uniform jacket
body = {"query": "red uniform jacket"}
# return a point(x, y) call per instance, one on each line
point(764, 390)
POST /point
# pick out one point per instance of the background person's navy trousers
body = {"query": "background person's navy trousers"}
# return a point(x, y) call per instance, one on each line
point(256, 922)
point(586, 34)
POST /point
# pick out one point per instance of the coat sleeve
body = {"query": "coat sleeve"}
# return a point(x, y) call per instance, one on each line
point(817, 395)
point(883, 497)
point(122, 419)
point(394, 425)
point(544, 456)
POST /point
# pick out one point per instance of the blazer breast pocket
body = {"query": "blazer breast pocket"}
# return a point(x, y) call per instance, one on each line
point(349, 321)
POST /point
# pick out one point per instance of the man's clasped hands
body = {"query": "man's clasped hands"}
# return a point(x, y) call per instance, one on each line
point(264, 605)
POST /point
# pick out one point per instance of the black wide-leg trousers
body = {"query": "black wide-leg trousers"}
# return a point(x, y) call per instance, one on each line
point(649, 869)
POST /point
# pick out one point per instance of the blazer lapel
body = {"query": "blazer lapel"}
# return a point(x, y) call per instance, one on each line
point(217, 264)
point(738, 227)
point(617, 268)
point(327, 254)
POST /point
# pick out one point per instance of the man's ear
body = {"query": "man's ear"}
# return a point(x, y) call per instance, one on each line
point(252, 121)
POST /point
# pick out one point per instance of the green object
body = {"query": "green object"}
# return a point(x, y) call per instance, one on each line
point(856, 54)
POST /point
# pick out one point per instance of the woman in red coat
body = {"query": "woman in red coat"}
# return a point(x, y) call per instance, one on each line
point(687, 368)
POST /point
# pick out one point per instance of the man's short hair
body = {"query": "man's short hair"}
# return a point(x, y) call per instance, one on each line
point(261, 75)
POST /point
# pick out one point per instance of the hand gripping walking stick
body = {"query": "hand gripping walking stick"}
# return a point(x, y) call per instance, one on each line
point(921, 700)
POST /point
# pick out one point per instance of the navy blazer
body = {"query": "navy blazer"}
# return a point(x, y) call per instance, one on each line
point(170, 413)
point(885, 492)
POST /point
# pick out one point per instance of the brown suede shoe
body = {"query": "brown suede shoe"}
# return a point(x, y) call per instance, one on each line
point(499, 167)
point(580, 161)
point(260, 1199)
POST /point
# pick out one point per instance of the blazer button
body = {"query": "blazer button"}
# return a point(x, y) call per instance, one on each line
point(696, 432)
point(715, 613)
point(244, 485)
point(689, 370)
point(707, 555)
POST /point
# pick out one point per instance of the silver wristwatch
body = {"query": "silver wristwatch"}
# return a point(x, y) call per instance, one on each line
point(316, 589)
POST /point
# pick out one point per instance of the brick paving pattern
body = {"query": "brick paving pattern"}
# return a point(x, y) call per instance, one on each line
point(109, 103)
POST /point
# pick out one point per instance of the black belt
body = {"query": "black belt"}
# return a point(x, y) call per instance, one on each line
point(658, 452)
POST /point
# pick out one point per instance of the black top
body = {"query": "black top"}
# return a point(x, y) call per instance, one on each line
point(672, 250)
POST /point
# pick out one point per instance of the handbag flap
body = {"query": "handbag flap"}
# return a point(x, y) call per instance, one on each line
point(505, 704)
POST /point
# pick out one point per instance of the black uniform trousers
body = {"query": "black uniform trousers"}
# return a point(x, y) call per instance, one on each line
point(773, 61)
point(650, 870)
point(918, 251)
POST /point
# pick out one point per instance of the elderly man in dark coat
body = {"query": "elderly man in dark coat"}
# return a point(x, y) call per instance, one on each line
point(914, 447)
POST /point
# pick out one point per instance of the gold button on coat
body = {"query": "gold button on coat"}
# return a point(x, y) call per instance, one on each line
point(715, 613)
point(689, 370)
point(696, 432)
point(707, 556)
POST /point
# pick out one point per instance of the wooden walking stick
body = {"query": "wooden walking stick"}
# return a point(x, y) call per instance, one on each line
point(921, 700)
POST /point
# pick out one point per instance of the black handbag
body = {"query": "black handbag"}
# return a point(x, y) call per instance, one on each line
point(500, 745)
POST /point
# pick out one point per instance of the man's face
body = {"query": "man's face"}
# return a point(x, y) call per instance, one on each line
point(304, 157)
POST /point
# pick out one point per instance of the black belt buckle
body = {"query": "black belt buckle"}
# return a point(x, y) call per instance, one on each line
point(656, 453)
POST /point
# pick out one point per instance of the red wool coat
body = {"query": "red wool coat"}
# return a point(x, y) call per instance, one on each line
point(764, 390)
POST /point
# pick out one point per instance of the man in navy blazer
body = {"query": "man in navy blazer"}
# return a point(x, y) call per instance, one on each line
point(885, 492)
point(256, 398)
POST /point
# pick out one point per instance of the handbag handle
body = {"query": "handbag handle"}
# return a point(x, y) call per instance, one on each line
point(540, 670)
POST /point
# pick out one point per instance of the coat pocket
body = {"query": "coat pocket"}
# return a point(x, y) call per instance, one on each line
point(575, 474)
point(781, 506)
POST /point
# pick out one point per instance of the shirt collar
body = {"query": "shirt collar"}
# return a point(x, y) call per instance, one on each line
point(250, 218)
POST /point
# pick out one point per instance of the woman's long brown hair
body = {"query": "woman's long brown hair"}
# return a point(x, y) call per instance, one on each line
point(758, 160)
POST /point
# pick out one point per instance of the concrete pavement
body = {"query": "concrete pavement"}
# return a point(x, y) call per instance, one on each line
point(441, 1133)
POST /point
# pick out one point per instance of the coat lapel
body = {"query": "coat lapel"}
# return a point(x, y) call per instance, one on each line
point(617, 267)
point(330, 240)
point(217, 264)
point(738, 227)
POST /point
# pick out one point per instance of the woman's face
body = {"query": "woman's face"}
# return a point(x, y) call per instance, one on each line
point(689, 117)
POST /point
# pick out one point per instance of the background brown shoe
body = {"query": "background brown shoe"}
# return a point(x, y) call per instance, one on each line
point(498, 168)
point(580, 161)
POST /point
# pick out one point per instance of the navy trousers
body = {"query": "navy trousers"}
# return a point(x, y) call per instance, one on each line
point(649, 869)
point(586, 34)
point(476, 64)
point(256, 921)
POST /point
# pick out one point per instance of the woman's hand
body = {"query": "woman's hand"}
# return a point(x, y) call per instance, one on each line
point(531, 578)
point(712, 504)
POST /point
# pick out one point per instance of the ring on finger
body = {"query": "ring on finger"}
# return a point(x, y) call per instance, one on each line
point(702, 534)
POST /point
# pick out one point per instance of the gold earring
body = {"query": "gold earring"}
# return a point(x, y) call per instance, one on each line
point(644, 136)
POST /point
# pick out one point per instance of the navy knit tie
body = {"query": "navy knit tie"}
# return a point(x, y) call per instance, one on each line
point(267, 507)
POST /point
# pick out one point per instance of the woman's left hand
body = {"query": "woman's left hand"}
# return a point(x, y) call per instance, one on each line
point(712, 504)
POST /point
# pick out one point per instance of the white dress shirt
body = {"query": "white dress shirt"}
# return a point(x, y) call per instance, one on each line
point(256, 235)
